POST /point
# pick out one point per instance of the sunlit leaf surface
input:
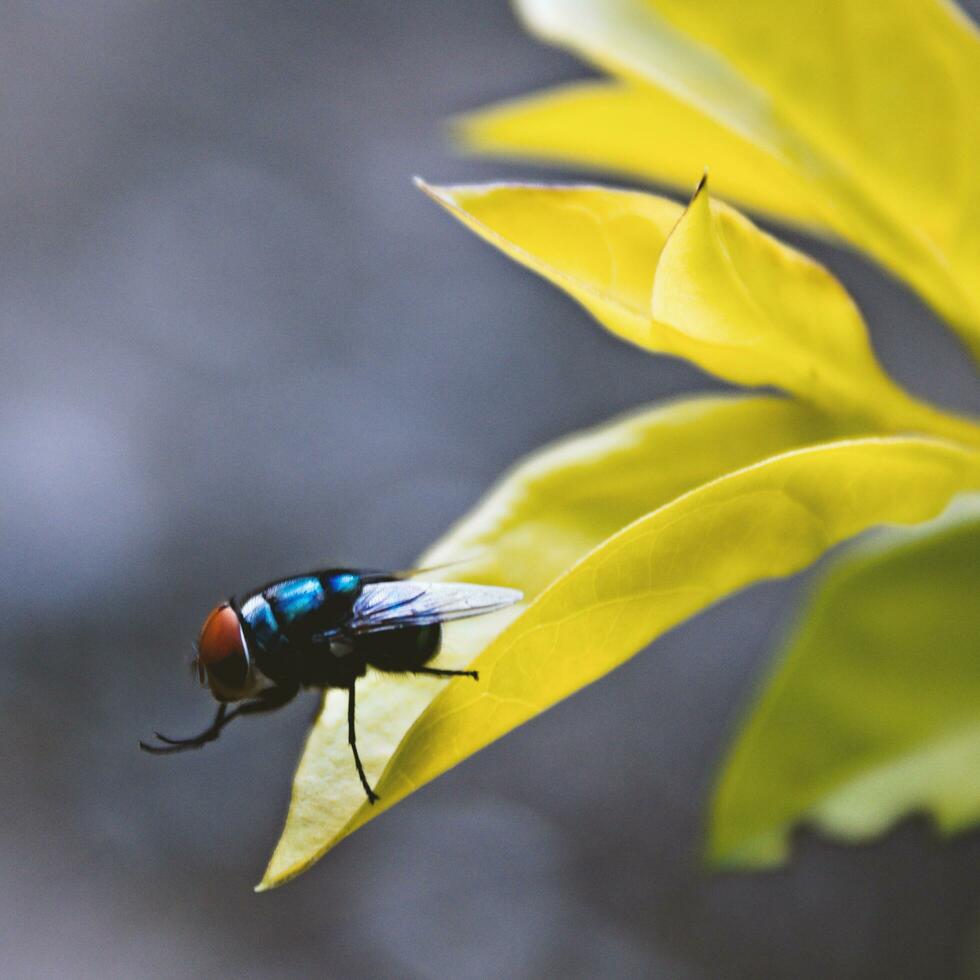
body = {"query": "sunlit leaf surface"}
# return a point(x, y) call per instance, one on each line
point(774, 316)
point(600, 245)
point(541, 518)
point(767, 519)
point(702, 283)
point(859, 116)
point(873, 711)
point(635, 129)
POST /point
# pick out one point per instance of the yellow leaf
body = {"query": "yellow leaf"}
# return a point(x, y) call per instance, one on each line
point(765, 313)
point(552, 509)
point(767, 519)
point(705, 284)
point(608, 126)
point(601, 246)
point(564, 500)
point(871, 107)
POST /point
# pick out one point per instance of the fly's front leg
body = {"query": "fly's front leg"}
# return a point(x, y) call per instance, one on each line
point(268, 700)
point(181, 744)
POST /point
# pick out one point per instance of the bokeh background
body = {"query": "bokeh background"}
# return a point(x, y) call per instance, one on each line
point(236, 343)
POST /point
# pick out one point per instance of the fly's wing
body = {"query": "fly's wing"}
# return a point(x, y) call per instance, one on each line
point(389, 605)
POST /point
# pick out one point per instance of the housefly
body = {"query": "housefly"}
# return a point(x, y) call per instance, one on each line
point(325, 629)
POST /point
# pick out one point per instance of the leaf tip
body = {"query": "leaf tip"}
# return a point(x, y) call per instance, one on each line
point(275, 876)
point(438, 194)
point(702, 186)
point(270, 880)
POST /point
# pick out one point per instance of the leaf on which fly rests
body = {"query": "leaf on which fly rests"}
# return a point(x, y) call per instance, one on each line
point(550, 511)
point(873, 710)
point(877, 145)
point(768, 518)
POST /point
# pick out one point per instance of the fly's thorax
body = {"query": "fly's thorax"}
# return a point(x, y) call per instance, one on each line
point(286, 622)
point(292, 610)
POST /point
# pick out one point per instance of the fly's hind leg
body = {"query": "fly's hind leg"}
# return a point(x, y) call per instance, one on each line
point(438, 672)
point(352, 739)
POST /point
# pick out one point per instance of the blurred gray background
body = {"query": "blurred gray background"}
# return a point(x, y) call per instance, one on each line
point(236, 342)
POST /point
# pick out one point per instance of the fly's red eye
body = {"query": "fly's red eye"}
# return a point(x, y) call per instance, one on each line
point(221, 653)
point(221, 637)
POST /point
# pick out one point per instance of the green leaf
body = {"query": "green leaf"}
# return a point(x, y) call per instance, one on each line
point(704, 284)
point(768, 519)
point(862, 117)
point(874, 708)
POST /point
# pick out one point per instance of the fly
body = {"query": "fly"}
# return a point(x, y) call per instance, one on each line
point(322, 630)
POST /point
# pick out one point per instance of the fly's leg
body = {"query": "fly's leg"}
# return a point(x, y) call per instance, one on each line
point(351, 731)
point(352, 739)
point(179, 745)
point(269, 700)
point(437, 672)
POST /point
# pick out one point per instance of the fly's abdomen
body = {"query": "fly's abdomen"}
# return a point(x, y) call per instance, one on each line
point(403, 649)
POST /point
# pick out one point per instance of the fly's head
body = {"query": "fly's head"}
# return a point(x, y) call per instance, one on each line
point(223, 661)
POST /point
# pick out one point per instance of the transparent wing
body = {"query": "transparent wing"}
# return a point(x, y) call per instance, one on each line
point(388, 605)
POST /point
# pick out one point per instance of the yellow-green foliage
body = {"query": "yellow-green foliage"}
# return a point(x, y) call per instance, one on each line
point(872, 710)
point(858, 119)
point(853, 119)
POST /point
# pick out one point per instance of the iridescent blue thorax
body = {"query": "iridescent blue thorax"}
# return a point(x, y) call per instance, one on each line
point(325, 630)
point(283, 612)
